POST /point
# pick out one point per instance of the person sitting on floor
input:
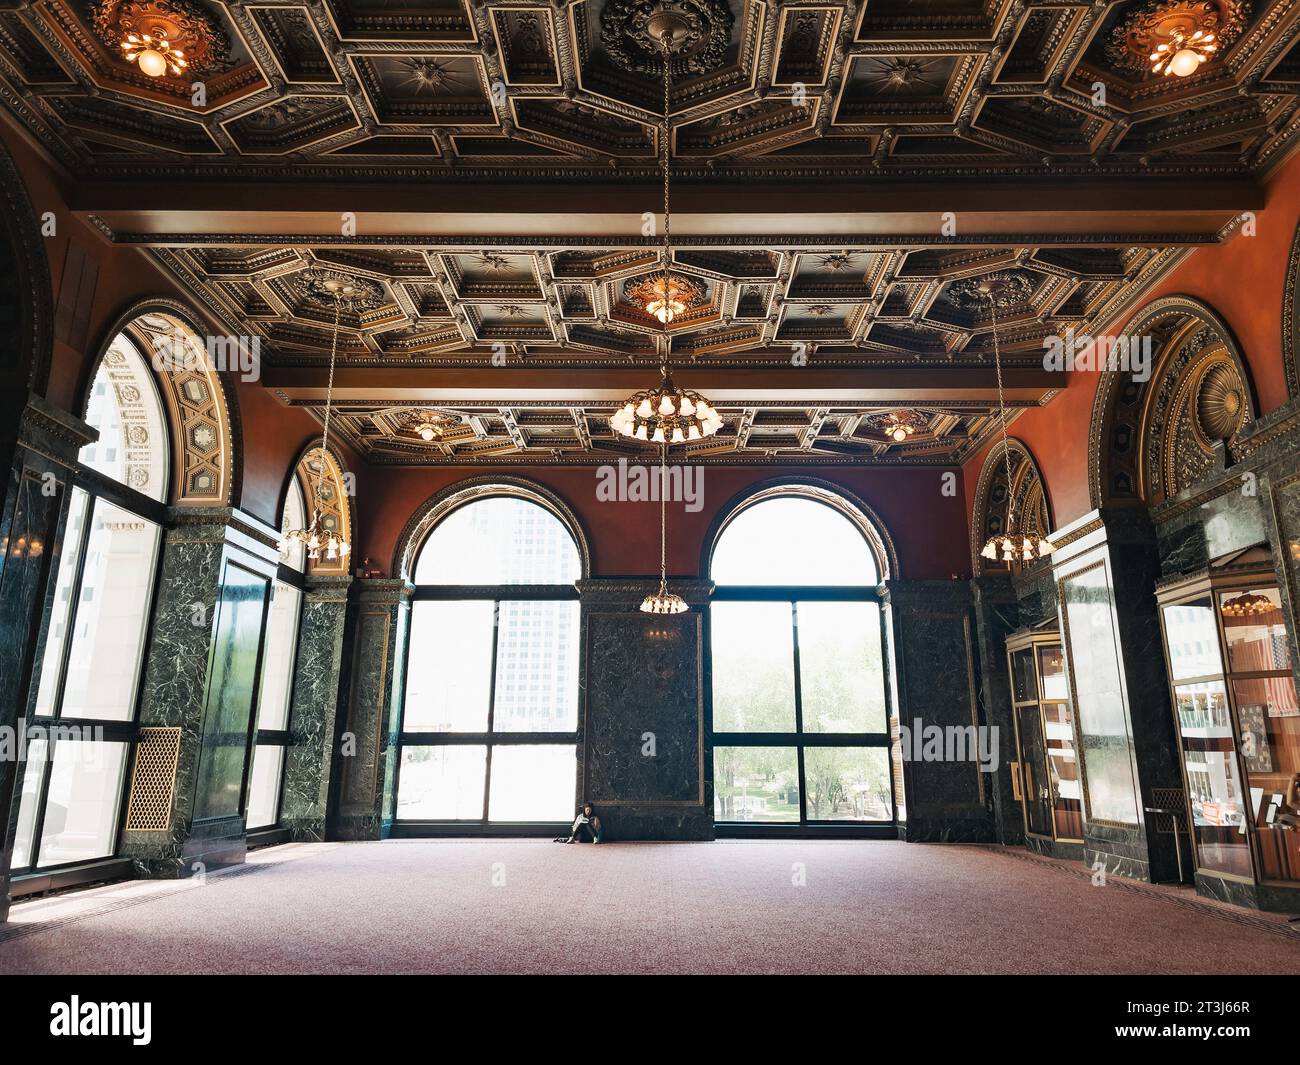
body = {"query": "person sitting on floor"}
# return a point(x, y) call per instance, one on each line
point(586, 827)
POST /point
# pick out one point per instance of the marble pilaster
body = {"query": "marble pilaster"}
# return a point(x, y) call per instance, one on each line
point(33, 515)
point(313, 717)
point(645, 674)
point(997, 615)
point(948, 799)
point(200, 676)
point(1106, 566)
point(365, 752)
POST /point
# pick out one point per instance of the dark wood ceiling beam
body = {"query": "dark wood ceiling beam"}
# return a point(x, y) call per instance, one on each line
point(1102, 211)
point(565, 386)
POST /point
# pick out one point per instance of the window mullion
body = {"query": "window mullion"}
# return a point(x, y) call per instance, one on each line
point(492, 705)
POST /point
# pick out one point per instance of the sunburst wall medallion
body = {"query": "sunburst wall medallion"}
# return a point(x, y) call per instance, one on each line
point(1220, 402)
point(1177, 36)
point(176, 37)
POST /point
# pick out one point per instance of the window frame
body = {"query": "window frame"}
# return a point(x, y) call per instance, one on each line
point(799, 739)
point(496, 594)
point(96, 486)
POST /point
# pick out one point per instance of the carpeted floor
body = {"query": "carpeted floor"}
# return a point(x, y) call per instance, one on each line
point(473, 906)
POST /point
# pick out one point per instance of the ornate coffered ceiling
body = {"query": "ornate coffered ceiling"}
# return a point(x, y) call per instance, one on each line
point(392, 91)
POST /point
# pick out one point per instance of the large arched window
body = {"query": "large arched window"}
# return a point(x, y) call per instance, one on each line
point(275, 691)
point(490, 718)
point(800, 721)
point(84, 717)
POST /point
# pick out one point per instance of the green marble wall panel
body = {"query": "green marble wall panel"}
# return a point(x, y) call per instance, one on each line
point(313, 715)
point(366, 752)
point(997, 615)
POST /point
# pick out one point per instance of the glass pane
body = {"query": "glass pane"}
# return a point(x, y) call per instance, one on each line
point(1213, 786)
point(81, 810)
point(112, 612)
point(449, 667)
point(766, 544)
point(125, 408)
point(755, 784)
point(537, 667)
point(52, 661)
point(1034, 777)
point(1051, 672)
point(753, 667)
point(1193, 640)
point(1270, 749)
point(1100, 709)
point(277, 658)
point(1024, 685)
point(294, 553)
point(264, 786)
point(847, 783)
point(534, 783)
point(29, 803)
point(499, 541)
point(1063, 770)
point(841, 678)
point(1257, 641)
point(442, 783)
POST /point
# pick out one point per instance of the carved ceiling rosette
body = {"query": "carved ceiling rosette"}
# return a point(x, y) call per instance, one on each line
point(1134, 40)
point(701, 34)
point(185, 24)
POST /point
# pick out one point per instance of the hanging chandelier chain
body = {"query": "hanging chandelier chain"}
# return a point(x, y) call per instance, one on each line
point(665, 155)
point(663, 517)
point(1002, 414)
point(329, 401)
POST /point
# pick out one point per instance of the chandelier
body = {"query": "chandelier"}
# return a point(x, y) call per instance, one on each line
point(1183, 53)
point(903, 423)
point(1248, 604)
point(153, 54)
point(663, 601)
point(316, 537)
point(666, 414)
point(1009, 545)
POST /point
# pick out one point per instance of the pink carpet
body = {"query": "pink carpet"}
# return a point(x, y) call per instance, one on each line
point(479, 906)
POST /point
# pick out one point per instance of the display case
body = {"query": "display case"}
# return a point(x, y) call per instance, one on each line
point(1238, 720)
point(1045, 774)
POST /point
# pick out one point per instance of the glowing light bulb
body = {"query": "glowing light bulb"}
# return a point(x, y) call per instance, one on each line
point(152, 62)
point(677, 435)
point(899, 435)
point(1185, 62)
point(644, 410)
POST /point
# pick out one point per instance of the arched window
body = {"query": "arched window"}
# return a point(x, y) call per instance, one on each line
point(800, 720)
point(275, 690)
point(490, 719)
point(85, 710)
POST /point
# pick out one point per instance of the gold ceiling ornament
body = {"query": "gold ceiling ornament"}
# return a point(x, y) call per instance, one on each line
point(666, 415)
point(1008, 545)
point(666, 296)
point(1177, 37)
point(316, 536)
point(898, 425)
point(161, 37)
point(1247, 605)
point(663, 601)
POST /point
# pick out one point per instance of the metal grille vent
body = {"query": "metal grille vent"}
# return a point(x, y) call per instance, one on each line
point(153, 781)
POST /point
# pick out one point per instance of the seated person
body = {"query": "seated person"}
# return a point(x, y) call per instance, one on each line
point(586, 827)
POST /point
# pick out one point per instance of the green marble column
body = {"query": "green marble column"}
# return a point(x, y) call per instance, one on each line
point(948, 797)
point(365, 754)
point(313, 718)
point(646, 674)
point(997, 615)
point(201, 679)
point(32, 519)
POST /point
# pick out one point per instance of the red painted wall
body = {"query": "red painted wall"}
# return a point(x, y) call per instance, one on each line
point(1242, 281)
point(624, 536)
